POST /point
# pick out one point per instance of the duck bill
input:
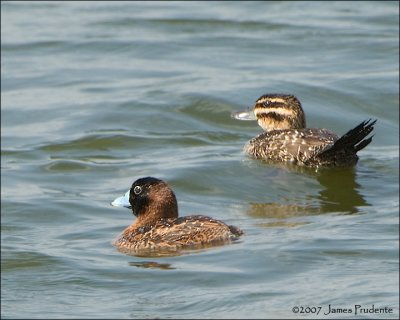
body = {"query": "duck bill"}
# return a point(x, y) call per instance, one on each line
point(244, 115)
point(122, 201)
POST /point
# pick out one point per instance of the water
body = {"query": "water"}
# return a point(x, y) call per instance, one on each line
point(96, 95)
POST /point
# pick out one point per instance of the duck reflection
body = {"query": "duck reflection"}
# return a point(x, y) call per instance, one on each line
point(339, 193)
point(152, 265)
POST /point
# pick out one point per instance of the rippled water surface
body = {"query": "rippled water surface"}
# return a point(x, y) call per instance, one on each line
point(97, 94)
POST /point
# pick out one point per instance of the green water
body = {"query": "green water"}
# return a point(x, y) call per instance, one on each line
point(98, 94)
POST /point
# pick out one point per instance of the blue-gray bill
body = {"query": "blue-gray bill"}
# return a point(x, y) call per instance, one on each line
point(244, 115)
point(122, 201)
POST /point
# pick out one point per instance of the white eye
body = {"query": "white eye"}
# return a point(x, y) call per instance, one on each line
point(137, 190)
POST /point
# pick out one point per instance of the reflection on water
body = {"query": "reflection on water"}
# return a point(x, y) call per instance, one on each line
point(275, 210)
point(285, 224)
point(152, 265)
point(339, 193)
point(150, 253)
point(164, 252)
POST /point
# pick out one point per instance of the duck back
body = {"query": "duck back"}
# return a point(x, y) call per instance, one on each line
point(173, 235)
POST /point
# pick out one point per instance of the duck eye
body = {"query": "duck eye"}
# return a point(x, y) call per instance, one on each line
point(137, 190)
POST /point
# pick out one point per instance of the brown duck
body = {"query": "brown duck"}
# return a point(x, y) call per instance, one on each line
point(158, 230)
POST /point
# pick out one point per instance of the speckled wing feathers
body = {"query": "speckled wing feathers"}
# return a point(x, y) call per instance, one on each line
point(295, 146)
point(311, 147)
point(189, 232)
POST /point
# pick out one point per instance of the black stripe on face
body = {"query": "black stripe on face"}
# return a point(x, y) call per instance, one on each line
point(273, 107)
point(272, 115)
point(275, 104)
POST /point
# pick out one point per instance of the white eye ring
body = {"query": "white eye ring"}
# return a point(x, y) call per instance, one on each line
point(137, 190)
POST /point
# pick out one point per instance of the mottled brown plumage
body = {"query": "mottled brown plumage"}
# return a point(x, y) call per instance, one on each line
point(286, 138)
point(158, 229)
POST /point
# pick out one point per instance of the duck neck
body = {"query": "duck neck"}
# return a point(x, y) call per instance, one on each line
point(163, 205)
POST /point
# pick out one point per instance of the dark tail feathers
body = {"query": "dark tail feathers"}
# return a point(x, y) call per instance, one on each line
point(354, 139)
point(235, 231)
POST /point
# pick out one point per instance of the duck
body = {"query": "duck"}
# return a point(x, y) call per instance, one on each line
point(286, 138)
point(158, 230)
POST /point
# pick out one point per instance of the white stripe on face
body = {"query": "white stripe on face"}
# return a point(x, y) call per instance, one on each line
point(259, 111)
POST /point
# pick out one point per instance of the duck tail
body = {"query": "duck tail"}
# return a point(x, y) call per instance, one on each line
point(355, 138)
point(235, 231)
point(353, 141)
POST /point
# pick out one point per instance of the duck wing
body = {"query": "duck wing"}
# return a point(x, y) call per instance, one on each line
point(297, 146)
point(194, 230)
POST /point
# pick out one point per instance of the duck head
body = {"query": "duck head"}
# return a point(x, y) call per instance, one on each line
point(275, 112)
point(150, 199)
